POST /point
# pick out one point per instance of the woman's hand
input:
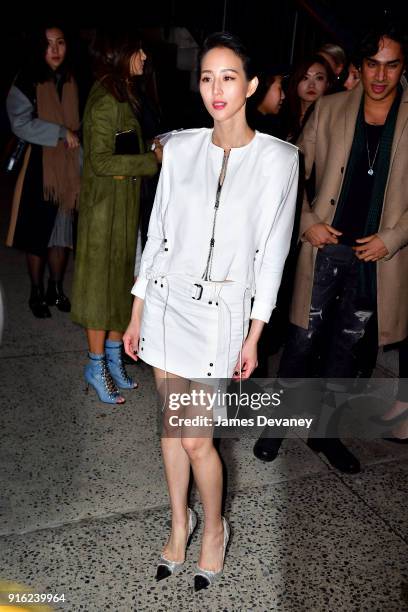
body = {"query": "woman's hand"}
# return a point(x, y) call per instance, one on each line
point(249, 352)
point(71, 139)
point(248, 361)
point(158, 150)
point(131, 339)
point(131, 336)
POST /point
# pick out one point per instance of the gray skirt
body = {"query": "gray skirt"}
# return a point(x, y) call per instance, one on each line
point(62, 232)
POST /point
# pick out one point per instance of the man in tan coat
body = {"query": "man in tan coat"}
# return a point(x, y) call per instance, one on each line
point(354, 257)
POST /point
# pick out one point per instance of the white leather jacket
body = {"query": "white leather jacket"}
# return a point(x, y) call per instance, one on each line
point(254, 220)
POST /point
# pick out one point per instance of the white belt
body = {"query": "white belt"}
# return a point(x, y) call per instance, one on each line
point(212, 292)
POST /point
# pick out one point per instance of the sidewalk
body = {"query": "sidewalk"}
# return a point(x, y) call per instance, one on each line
point(84, 509)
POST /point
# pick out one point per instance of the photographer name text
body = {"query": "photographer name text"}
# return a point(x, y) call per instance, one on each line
point(259, 420)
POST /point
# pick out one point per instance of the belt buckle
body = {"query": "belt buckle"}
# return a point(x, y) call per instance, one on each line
point(197, 292)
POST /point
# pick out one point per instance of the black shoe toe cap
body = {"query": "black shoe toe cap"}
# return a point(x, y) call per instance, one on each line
point(200, 583)
point(162, 572)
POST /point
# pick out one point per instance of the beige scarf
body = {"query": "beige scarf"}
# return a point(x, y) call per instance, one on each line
point(61, 178)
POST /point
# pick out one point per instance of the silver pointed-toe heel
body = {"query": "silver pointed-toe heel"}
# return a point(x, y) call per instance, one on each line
point(204, 578)
point(166, 567)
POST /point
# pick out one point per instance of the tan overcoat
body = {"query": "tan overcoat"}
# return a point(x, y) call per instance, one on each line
point(326, 141)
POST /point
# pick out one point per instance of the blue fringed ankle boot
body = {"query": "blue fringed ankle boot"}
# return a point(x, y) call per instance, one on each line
point(114, 361)
point(98, 375)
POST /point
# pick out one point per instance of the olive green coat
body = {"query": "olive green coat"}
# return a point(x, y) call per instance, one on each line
point(108, 215)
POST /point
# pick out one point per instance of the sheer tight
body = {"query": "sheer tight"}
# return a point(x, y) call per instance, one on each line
point(57, 259)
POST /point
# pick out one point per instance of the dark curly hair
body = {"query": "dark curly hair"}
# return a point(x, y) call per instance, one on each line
point(371, 41)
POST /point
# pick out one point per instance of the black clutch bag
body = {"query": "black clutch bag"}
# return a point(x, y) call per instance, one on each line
point(127, 143)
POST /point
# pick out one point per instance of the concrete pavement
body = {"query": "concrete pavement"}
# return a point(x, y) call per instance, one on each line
point(84, 509)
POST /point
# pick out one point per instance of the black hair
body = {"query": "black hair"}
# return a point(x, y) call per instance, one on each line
point(37, 66)
point(371, 41)
point(293, 100)
point(228, 41)
point(266, 80)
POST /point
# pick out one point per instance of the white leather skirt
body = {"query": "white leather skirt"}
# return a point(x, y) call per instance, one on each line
point(194, 328)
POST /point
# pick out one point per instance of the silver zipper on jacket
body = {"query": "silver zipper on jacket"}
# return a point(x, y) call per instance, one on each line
point(207, 272)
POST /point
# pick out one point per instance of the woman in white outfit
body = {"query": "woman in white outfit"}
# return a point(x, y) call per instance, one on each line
point(219, 234)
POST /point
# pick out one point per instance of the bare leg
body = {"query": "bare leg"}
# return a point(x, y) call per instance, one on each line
point(96, 340)
point(177, 470)
point(115, 336)
point(97, 337)
point(207, 470)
